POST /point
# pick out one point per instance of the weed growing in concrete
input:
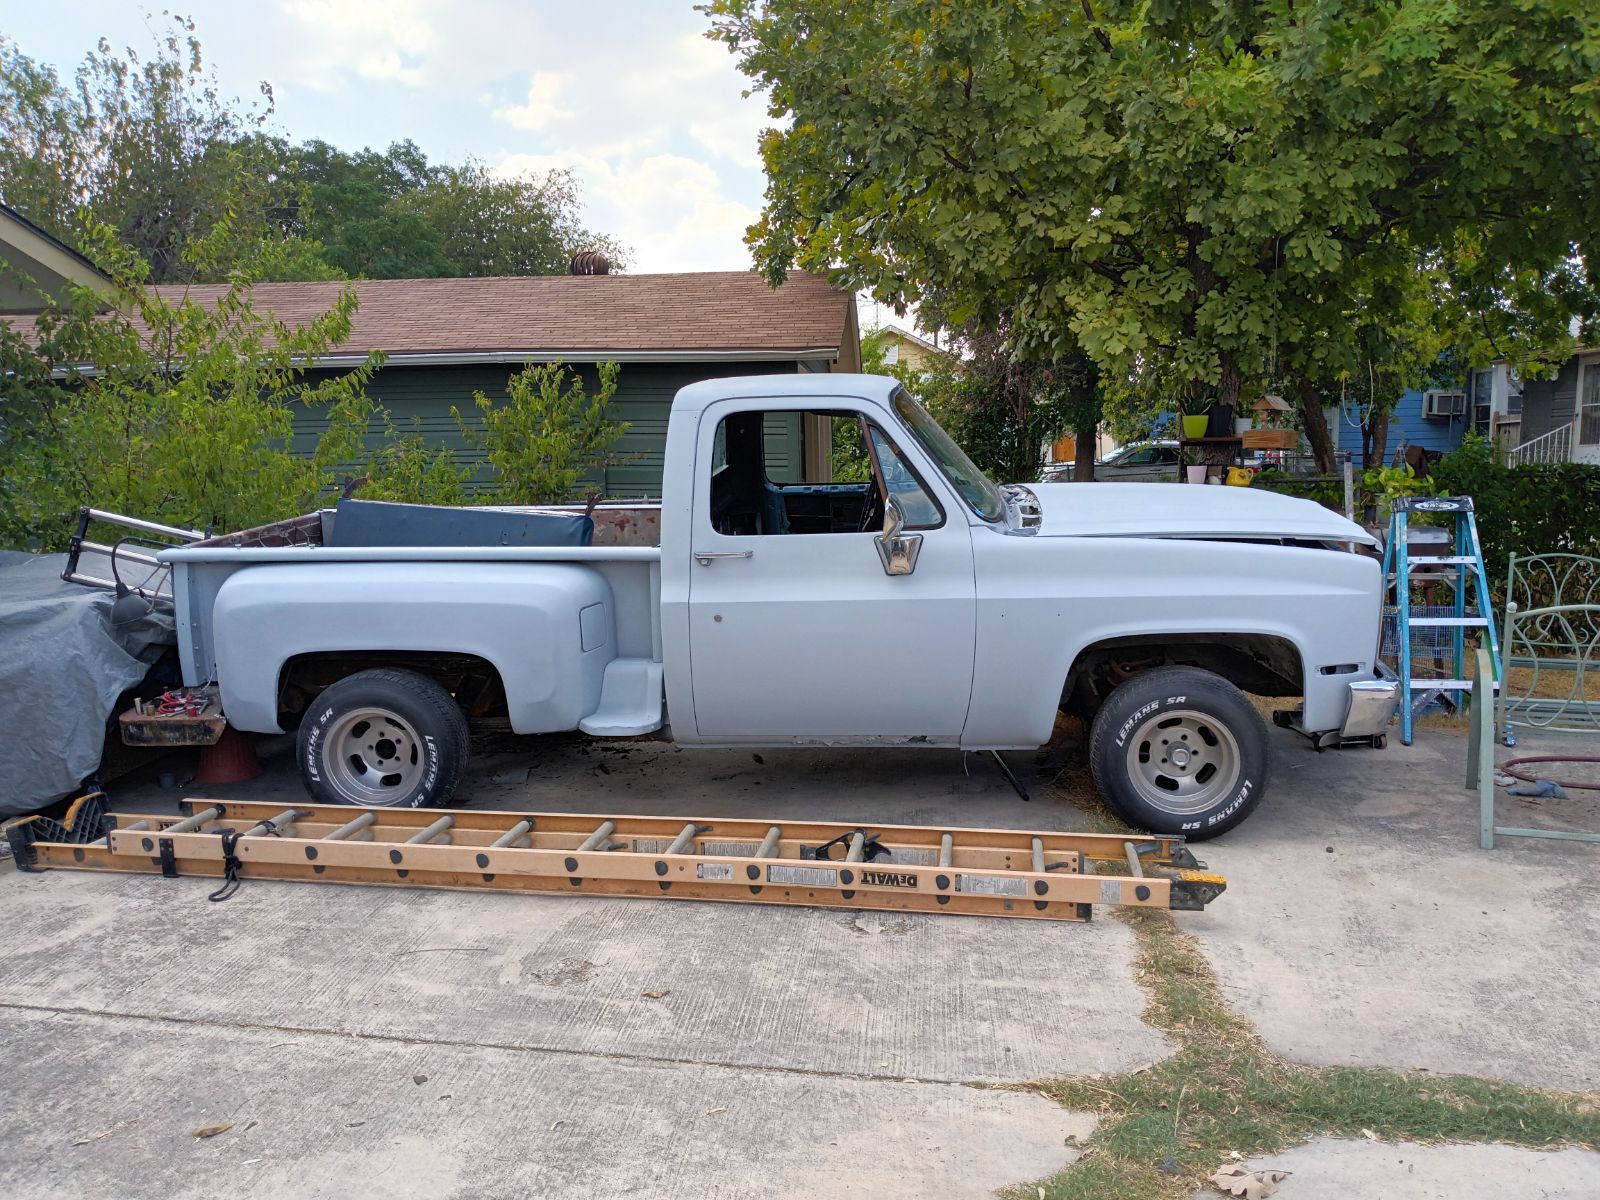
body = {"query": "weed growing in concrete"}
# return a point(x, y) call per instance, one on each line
point(1163, 1129)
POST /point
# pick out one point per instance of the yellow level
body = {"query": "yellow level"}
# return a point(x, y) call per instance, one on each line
point(988, 872)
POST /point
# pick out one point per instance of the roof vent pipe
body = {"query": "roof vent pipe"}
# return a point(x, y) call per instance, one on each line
point(589, 262)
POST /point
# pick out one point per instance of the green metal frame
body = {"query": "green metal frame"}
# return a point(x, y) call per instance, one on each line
point(1480, 765)
point(1552, 626)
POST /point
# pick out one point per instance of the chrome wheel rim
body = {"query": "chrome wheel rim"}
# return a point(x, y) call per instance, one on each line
point(373, 757)
point(1183, 762)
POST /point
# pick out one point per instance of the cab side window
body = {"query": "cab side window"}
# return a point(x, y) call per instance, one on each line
point(824, 471)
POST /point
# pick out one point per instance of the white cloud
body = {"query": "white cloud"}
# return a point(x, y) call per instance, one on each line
point(665, 145)
point(673, 212)
point(419, 43)
point(651, 116)
point(544, 107)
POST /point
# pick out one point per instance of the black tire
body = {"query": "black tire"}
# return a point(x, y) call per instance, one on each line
point(1179, 711)
point(399, 738)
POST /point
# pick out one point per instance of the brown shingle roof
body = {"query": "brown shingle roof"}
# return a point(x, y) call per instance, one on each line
point(711, 310)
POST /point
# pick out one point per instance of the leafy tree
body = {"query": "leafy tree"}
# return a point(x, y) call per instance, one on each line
point(394, 215)
point(489, 225)
point(154, 149)
point(181, 412)
point(148, 146)
point(1213, 187)
point(549, 434)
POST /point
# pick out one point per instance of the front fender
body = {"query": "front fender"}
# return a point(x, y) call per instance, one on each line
point(1043, 601)
point(547, 628)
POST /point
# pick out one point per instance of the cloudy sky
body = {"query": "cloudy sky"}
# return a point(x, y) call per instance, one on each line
point(627, 93)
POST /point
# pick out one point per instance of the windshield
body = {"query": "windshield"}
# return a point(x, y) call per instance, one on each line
point(976, 488)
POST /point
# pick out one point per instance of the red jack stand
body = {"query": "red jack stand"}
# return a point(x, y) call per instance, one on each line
point(232, 759)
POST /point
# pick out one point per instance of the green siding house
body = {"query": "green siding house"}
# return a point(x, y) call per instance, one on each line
point(447, 339)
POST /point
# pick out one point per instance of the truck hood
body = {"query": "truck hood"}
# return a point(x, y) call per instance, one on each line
point(1169, 510)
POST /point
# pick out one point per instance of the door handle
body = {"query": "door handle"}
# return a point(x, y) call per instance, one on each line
point(704, 557)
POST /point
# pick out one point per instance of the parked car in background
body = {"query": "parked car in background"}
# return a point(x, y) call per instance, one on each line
point(1138, 462)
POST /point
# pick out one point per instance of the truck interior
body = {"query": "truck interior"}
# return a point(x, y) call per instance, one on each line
point(760, 486)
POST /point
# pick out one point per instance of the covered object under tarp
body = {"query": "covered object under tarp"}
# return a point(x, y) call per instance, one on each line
point(63, 663)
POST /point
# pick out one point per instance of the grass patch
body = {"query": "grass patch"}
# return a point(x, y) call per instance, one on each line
point(1165, 1128)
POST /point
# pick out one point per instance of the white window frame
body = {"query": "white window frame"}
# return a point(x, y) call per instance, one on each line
point(1587, 363)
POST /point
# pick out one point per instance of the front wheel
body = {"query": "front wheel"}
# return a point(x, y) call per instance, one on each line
point(383, 739)
point(1179, 750)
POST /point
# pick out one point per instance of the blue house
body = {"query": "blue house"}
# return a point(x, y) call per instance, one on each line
point(1434, 420)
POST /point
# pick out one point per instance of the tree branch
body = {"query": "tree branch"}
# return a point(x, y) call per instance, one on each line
point(1098, 32)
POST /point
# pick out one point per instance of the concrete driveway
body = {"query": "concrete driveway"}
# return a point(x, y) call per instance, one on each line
point(397, 1043)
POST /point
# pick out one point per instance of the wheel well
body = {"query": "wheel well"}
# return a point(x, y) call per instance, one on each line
point(1253, 662)
point(474, 682)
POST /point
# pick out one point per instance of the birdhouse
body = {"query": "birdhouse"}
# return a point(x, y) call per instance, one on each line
point(1270, 411)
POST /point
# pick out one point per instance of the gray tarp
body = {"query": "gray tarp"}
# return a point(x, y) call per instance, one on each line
point(62, 666)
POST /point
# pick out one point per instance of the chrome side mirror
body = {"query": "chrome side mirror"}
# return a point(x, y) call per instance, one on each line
point(898, 550)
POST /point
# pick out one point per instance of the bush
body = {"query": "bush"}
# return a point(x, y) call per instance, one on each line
point(1537, 509)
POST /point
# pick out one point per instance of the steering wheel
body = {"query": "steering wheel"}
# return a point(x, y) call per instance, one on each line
point(872, 510)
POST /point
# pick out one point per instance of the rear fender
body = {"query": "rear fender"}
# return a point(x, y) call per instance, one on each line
point(548, 629)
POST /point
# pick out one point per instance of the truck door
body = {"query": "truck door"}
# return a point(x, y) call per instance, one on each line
point(796, 630)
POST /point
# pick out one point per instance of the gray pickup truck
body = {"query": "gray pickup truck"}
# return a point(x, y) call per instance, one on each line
point(925, 606)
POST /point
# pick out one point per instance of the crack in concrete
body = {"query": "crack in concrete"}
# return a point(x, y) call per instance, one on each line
point(505, 1047)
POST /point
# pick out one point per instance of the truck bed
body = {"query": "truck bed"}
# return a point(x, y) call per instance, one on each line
point(625, 550)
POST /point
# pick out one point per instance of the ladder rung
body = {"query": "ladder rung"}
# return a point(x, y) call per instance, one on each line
point(1445, 685)
point(597, 839)
point(511, 836)
point(1443, 560)
point(1464, 622)
point(769, 844)
point(277, 823)
point(351, 828)
point(685, 838)
point(194, 822)
point(439, 827)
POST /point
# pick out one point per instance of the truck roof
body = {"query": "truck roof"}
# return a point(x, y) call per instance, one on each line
point(740, 387)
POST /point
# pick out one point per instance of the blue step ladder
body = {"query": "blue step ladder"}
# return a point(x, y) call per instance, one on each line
point(1469, 606)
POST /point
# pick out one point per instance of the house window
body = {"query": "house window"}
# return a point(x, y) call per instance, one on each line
point(1589, 402)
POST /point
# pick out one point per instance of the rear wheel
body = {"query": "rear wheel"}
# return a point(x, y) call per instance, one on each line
point(1179, 750)
point(383, 739)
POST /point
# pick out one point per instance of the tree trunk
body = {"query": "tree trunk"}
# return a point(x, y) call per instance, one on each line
point(1375, 440)
point(1230, 384)
point(1316, 428)
point(1083, 455)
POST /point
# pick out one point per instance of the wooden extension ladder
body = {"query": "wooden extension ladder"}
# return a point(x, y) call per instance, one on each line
point(989, 872)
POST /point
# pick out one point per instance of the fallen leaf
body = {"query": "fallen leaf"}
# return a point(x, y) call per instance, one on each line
point(656, 995)
point(1235, 1179)
point(1369, 1135)
point(211, 1131)
point(711, 1112)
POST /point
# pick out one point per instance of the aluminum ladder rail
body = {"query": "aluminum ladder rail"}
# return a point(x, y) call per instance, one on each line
point(985, 872)
point(1466, 557)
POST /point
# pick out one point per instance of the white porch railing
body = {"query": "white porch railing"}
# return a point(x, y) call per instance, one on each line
point(1555, 446)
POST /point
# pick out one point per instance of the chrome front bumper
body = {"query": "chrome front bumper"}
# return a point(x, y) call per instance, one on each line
point(1372, 704)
